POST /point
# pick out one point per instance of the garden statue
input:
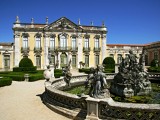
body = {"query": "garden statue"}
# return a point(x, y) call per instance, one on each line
point(97, 81)
point(67, 74)
point(131, 79)
point(47, 73)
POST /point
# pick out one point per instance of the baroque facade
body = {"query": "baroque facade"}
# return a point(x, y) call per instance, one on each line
point(62, 40)
point(59, 42)
point(117, 51)
point(6, 56)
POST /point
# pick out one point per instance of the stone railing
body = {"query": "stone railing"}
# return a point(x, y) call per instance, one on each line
point(86, 107)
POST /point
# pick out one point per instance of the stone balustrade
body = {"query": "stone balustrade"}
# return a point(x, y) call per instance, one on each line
point(85, 107)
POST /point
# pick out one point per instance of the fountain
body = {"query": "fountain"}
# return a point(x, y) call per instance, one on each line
point(131, 79)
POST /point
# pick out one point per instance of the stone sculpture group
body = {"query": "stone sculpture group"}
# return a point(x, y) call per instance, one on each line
point(131, 79)
point(96, 80)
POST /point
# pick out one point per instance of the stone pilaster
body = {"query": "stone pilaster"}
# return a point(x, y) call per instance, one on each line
point(70, 58)
point(59, 59)
point(17, 49)
point(104, 39)
point(80, 54)
point(46, 45)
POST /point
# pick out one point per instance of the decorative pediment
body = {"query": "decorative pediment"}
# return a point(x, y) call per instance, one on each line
point(62, 23)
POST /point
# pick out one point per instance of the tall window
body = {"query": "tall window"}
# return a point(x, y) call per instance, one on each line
point(38, 42)
point(25, 42)
point(6, 61)
point(96, 43)
point(73, 43)
point(119, 59)
point(52, 59)
point(38, 61)
point(52, 42)
point(63, 42)
point(87, 60)
point(73, 60)
point(156, 55)
point(86, 43)
point(97, 60)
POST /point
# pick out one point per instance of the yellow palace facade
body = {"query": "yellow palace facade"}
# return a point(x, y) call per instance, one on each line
point(59, 42)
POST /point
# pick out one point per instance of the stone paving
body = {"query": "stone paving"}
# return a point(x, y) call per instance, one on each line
point(21, 101)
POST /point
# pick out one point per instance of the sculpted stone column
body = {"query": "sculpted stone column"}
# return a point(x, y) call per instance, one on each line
point(104, 39)
point(80, 54)
point(46, 44)
point(17, 49)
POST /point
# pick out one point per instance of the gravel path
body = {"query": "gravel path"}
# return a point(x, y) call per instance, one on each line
point(21, 101)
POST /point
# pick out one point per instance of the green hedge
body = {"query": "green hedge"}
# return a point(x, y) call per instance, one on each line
point(109, 71)
point(154, 69)
point(36, 77)
point(24, 69)
point(26, 62)
point(5, 81)
point(58, 75)
point(85, 70)
point(58, 71)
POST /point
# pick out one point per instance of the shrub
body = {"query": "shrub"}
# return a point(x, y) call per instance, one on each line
point(24, 69)
point(57, 71)
point(154, 63)
point(36, 77)
point(154, 69)
point(58, 75)
point(109, 70)
point(109, 63)
point(85, 70)
point(5, 81)
point(26, 62)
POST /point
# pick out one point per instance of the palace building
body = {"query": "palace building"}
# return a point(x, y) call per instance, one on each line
point(59, 42)
point(62, 41)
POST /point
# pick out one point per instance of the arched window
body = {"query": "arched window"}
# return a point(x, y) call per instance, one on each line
point(63, 42)
point(38, 61)
point(97, 60)
point(73, 60)
point(119, 59)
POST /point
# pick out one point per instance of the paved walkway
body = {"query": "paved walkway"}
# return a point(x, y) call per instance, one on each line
point(21, 101)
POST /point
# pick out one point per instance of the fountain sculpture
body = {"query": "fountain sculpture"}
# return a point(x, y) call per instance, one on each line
point(97, 82)
point(131, 79)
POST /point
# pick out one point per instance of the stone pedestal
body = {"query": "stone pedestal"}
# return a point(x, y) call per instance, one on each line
point(92, 109)
point(52, 71)
point(26, 77)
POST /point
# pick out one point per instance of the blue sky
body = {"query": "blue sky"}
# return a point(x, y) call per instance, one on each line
point(128, 21)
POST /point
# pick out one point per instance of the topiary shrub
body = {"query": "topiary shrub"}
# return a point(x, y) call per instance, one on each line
point(154, 63)
point(25, 65)
point(26, 62)
point(109, 62)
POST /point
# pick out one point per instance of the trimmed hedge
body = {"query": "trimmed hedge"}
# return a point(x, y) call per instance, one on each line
point(36, 77)
point(85, 70)
point(109, 63)
point(24, 69)
point(5, 81)
point(154, 69)
point(58, 73)
point(109, 71)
